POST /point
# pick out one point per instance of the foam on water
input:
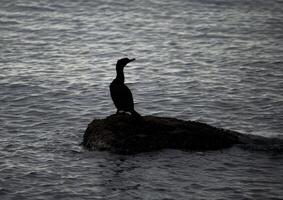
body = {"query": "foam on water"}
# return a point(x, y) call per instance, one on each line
point(215, 61)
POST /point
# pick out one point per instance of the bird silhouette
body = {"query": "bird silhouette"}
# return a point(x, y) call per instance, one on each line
point(120, 93)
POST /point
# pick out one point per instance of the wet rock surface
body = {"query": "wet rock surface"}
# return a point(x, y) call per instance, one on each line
point(124, 134)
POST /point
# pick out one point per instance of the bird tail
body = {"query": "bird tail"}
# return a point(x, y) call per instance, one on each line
point(136, 114)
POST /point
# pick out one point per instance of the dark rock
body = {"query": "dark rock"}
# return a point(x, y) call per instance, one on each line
point(124, 134)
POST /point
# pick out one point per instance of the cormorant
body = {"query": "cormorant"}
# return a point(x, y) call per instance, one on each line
point(120, 93)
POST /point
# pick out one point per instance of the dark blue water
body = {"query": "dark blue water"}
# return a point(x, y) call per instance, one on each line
point(215, 61)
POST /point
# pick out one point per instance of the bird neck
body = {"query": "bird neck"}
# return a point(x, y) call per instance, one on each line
point(120, 75)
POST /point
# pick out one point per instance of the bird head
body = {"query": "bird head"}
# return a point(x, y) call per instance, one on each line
point(123, 62)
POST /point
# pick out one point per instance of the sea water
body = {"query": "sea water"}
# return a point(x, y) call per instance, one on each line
point(215, 61)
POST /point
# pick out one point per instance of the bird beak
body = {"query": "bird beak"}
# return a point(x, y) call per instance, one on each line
point(132, 60)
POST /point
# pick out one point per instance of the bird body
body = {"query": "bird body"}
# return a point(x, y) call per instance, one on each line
point(121, 96)
point(120, 93)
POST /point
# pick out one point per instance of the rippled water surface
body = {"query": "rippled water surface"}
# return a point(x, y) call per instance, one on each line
point(215, 61)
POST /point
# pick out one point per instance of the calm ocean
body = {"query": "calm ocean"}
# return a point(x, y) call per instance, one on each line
point(214, 61)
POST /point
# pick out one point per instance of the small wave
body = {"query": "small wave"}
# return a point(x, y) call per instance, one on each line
point(8, 22)
point(4, 191)
point(35, 8)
